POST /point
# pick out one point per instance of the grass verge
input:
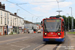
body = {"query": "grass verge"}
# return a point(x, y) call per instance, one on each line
point(71, 32)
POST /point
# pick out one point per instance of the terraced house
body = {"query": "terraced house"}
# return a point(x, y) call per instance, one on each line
point(10, 23)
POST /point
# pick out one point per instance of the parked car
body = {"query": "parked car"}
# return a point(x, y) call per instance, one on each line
point(72, 30)
point(39, 31)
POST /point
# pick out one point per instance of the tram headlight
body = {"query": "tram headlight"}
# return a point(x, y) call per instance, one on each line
point(45, 33)
point(59, 33)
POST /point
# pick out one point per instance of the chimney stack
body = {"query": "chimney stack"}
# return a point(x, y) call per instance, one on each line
point(0, 5)
point(3, 6)
point(15, 13)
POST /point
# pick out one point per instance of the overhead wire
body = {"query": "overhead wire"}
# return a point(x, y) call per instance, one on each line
point(17, 4)
point(21, 7)
point(40, 2)
point(34, 2)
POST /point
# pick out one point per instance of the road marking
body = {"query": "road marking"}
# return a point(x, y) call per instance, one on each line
point(58, 47)
point(12, 42)
point(22, 48)
point(16, 46)
point(48, 47)
point(38, 46)
point(27, 38)
point(25, 47)
point(12, 39)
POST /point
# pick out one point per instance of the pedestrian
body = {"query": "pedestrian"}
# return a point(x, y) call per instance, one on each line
point(34, 30)
point(28, 31)
point(5, 32)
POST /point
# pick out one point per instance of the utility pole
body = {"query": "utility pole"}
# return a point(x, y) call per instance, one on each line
point(72, 17)
point(17, 23)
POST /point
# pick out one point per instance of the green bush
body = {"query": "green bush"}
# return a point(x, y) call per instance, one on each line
point(71, 32)
point(11, 33)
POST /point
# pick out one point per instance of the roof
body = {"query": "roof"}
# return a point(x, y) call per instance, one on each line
point(3, 9)
point(25, 21)
point(10, 13)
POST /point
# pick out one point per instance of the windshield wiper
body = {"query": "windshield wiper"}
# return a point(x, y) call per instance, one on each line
point(58, 29)
point(45, 28)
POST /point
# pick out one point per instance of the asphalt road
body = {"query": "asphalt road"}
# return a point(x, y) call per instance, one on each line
point(21, 41)
point(65, 44)
point(29, 42)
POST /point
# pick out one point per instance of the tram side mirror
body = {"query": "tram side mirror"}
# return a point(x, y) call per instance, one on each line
point(41, 25)
point(63, 22)
point(62, 26)
point(41, 22)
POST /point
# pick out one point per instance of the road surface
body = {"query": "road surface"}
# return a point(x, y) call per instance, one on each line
point(30, 42)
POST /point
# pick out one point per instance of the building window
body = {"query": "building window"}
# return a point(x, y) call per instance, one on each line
point(5, 21)
point(5, 14)
point(15, 21)
point(1, 20)
point(8, 21)
point(1, 13)
point(7, 18)
point(0, 29)
point(11, 23)
point(11, 20)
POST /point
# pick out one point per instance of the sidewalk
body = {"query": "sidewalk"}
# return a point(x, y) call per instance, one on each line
point(72, 39)
point(14, 34)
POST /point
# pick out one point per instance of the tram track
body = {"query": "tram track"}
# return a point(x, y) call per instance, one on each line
point(50, 44)
point(56, 46)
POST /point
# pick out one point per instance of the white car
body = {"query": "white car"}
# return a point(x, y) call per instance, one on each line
point(30, 30)
point(39, 31)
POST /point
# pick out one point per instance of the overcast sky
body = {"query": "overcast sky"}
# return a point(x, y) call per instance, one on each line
point(39, 9)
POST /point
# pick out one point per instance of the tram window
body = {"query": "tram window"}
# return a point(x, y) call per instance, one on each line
point(62, 26)
point(63, 22)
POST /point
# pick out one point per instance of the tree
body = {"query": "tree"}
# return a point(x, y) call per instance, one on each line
point(66, 20)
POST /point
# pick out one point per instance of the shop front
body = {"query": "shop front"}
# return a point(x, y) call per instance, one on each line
point(14, 30)
point(10, 29)
point(20, 30)
point(0, 30)
point(5, 30)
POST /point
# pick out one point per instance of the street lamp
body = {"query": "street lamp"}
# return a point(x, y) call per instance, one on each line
point(18, 10)
point(68, 21)
point(58, 7)
point(72, 17)
point(59, 11)
point(36, 19)
point(32, 19)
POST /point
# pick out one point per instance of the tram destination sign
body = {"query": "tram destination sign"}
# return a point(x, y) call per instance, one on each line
point(50, 20)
